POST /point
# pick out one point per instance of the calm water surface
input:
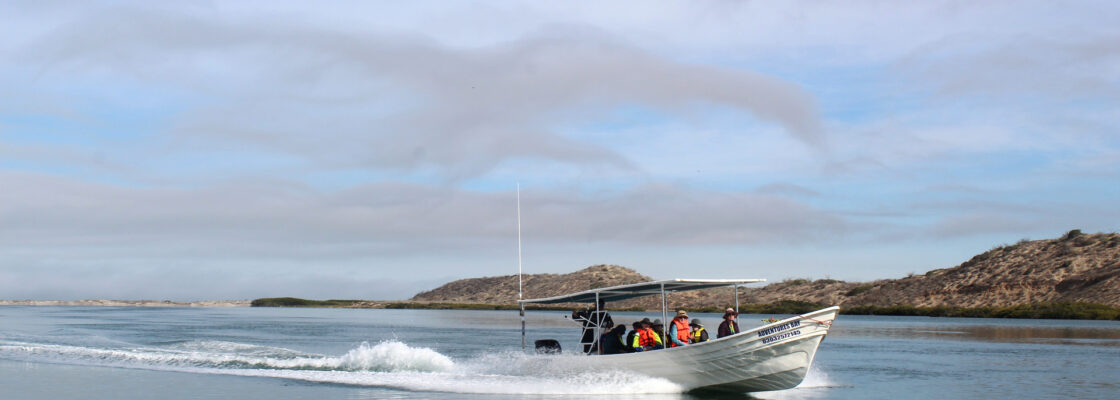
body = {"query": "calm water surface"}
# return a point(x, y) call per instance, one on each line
point(272, 353)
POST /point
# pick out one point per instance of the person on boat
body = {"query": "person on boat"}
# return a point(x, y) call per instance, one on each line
point(679, 332)
point(646, 339)
point(599, 318)
point(659, 328)
point(613, 341)
point(699, 334)
point(631, 343)
point(729, 326)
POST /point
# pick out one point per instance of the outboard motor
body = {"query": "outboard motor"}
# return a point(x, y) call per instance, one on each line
point(547, 346)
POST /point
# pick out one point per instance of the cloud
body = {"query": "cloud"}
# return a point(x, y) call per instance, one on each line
point(172, 280)
point(788, 189)
point(283, 218)
point(1036, 64)
point(108, 240)
point(345, 99)
point(975, 224)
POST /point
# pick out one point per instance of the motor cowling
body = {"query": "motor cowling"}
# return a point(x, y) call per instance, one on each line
point(547, 346)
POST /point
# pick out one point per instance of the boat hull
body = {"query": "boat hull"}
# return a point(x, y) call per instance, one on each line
point(771, 357)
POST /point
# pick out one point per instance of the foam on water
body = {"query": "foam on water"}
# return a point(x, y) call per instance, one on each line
point(389, 364)
point(386, 356)
point(394, 356)
point(480, 383)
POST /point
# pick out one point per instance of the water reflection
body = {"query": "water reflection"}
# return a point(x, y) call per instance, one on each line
point(1078, 333)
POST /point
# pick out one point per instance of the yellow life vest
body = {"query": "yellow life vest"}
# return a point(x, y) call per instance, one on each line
point(696, 335)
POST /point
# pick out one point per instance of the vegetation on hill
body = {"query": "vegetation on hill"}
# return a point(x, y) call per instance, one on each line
point(1028, 311)
point(1075, 268)
point(409, 305)
point(297, 302)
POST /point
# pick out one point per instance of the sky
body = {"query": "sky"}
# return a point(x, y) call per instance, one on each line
point(353, 149)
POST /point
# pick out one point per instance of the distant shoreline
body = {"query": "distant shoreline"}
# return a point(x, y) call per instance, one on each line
point(1083, 311)
point(127, 303)
point(1061, 310)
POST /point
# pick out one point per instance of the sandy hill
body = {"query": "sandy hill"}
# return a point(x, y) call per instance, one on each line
point(1074, 268)
point(503, 289)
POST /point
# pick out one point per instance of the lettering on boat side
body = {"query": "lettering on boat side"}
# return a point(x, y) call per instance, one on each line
point(782, 336)
point(779, 328)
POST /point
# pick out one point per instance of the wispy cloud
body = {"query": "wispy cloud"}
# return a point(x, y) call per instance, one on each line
point(287, 218)
point(360, 99)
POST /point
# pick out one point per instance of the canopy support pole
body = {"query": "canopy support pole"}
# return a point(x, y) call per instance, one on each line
point(598, 326)
point(664, 315)
point(736, 298)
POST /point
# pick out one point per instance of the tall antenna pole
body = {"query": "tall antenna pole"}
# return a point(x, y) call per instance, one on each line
point(519, 289)
point(519, 241)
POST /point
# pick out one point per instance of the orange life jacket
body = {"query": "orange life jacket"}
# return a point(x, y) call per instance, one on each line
point(683, 332)
point(646, 337)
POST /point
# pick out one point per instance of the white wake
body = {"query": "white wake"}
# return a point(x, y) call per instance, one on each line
point(390, 364)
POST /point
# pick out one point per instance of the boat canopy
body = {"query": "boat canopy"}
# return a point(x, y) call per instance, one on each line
point(624, 292)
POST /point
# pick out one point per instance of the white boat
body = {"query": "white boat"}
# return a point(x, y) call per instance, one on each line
point(770, 357)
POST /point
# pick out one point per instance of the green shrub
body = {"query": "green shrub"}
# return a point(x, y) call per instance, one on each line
point(1030, 311)
point(856, 291)
point(1059, 311)
point(781, 307)
point(706, 309)
point(297, 302)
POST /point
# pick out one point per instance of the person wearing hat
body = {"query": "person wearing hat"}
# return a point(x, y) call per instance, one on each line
point(729, 326)
point(659, 328)
point(699, 334)
point(646, 338)
point(679, 333)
